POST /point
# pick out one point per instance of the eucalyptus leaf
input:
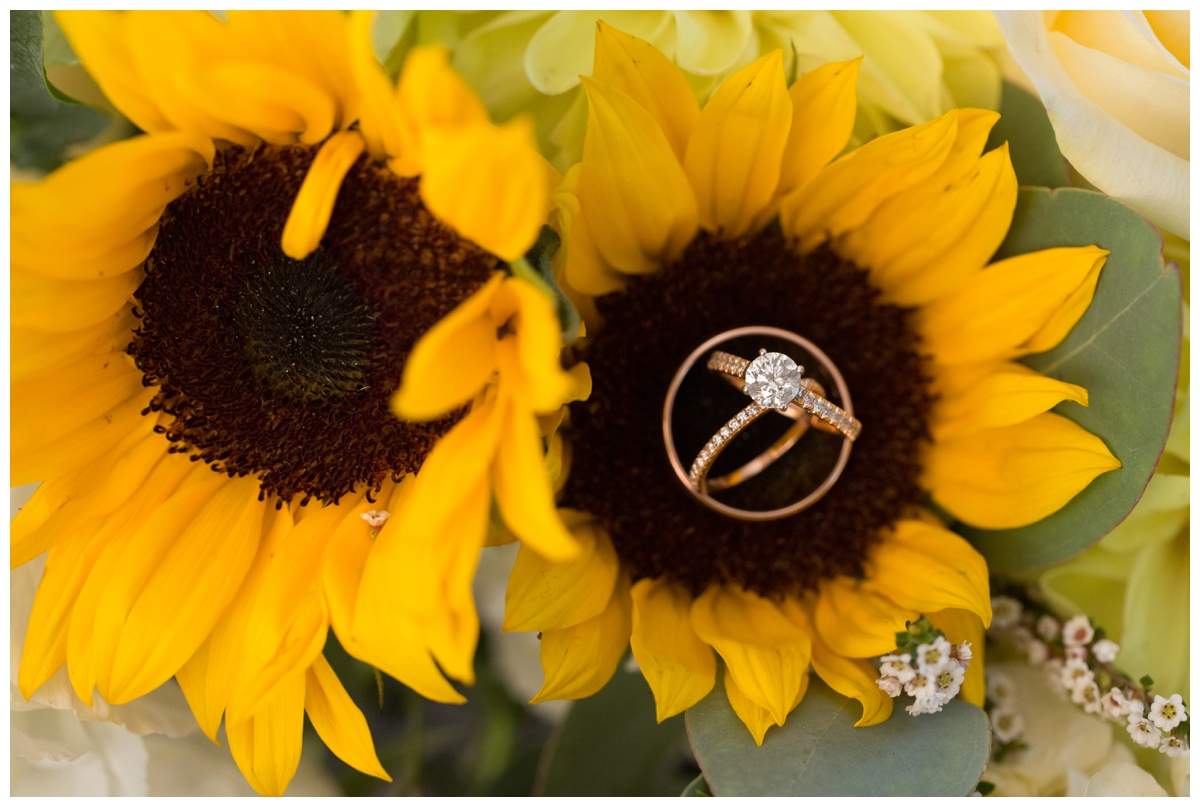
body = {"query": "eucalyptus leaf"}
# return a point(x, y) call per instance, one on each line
point(1125, 351)
point(819, 752)
point(696, 787)
point(610, 745)
point(1030, 135)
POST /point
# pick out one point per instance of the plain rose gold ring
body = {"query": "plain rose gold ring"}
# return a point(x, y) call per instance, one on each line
point(699, 485)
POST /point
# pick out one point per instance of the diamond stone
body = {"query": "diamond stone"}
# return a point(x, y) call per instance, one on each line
point(773, 380)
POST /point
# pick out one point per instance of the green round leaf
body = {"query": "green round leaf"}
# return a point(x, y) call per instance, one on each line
point(818, 752)
point(696, 787)
point(1124, 351)
point(1033, 147)
point(610, 745)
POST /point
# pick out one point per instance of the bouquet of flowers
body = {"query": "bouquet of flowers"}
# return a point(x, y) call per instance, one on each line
point(599, 403)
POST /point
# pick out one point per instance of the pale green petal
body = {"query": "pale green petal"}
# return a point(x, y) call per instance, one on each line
point(1157, 627)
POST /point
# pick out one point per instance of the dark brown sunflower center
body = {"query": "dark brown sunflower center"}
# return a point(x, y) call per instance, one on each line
point(283, 368)
point(620, 470)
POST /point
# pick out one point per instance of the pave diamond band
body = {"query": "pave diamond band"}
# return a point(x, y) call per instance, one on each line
point(777, 383)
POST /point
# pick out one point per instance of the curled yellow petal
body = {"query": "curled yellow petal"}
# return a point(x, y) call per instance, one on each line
point(380, 120)
point(642, 72)
point(857, 621)
point(766, 652)
point(755, 718)
point(339, 723)
point(854, 678)
point(578, 661)
point(452, 361)
point(924, 567)
point(846, 192)
point(310, 213)
point(530, 365)
point(544, 595)
point(678, 665)
point(993, 394)
point(1015, 475)
point(640, 209)
point(1017, 306)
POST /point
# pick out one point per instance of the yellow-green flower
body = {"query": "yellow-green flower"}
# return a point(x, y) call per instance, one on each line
point(665, 225)
point(209, 325)
point(917, 65)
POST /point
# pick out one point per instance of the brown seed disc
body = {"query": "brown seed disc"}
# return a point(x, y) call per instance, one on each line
point(620, 472)
point(284, 368)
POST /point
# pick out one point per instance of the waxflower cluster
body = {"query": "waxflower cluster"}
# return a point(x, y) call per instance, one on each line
point(925, 666)
point(1005, 720)
point(1078, 662)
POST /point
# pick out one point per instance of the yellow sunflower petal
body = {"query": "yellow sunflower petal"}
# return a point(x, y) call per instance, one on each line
point(50, 304)
point(856, 621)
point(1021, 305)
point(434, 94)
point(99, 39)
point(586, 269)
point(488, 183)
point(678, 665)
point(162, 605)
point(755, 718)
point(452, 361)
point(49, 405)
point(766, 652)
point(963, 626)
point(380, 119)
point(640, 209)
point(339, 723)
point(733, 158)
point(266, 747)
point(533, 370)
point(523, 488)
point(34, 351)
point(846, 192)
point(391, 640)
point(314, 204)
point(1015, 475)
point(854, 678)
point(987, 396)
point(823, 110)
point(925, 567)
point(578, 661)
point(544, 595)
point(642, 72)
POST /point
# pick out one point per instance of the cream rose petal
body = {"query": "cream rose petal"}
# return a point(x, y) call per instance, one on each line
point(1109, 154)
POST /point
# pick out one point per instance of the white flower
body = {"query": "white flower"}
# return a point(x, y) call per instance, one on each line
point(1047, 627)
point(1105, 650)
point(897, 666)
point(920, 686)
point(1174, 747)
point(1116, 705)
point(1037, 652)
point(1076, 673)
point(376, 518)
point(1006, 612)
point(1088, 696)
point(924, 705)
point(1117, 94)
point(964, 653)
point(1077, 631)
point(1076, 653)
point(1135, 707)
point(1143, 732)
point(1007, 724)
point(949, 681)
point(1166, 713)
point(934, 657)
point(891, 685)
point(1000, 688)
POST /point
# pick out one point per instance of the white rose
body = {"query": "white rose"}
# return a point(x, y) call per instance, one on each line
point(1116, 85)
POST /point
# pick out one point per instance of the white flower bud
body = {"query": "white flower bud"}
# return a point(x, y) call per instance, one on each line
point(1076, 653)
point(1105, 650)
point(1037, 652)
point(1077, 631)
point(1047, 627)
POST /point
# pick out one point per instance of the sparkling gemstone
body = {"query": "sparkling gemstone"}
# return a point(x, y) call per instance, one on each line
point(773, 380)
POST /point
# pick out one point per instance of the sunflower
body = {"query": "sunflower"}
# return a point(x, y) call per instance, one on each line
point(210, 322)
point(881, 258)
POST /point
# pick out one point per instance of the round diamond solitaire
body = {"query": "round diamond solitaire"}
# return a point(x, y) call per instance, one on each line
point(773, 380)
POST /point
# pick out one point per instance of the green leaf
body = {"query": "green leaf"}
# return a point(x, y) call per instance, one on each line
point(696, 787)
point(818, 752)
point(1124, 350)
point(41, 127)
point(610, 745)
point(393, 34)
point(1032, 144)
point(535, 267)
